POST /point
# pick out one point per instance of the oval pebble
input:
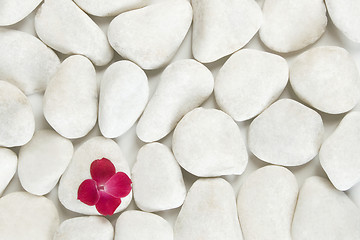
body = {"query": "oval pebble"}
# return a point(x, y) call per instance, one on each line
point(26, 61)
point(63, 26)
point(85, 228)
point(124, 93)
point(136, 225)
point(70, 102)
point(159, 29)
point(17, 122)
point(43, 160)
point(290, 25)
point(249, 82)
point(286, 121)
point(184, 85)
point(208, 143)
point(323, 212)
point(13, 11)
point(223, 27)
point(79, 170)
point(327, 79)
point(157, 179)
point(8, 163)
point(27, 217)
point(209, 212)
point(340, 153)
point(263, 214)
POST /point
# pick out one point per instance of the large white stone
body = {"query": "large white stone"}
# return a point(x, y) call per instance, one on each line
point(184, 85)
point(326, 78)
point(13, 11)
point(70, 101)
point(249, 82)
point(266, 204)
point(340, 153)
point(208, 143)
point(27, 217)
point(8, 163)
point(150, 36)
point(137, 225)
point(124, 93)
point(66, 28)
point(209, 212)
point(287, 133)
point(85, 228)
point(79, 170)
point(323, 212)
point(223, 27)
point(25, 61)
point(290, 25)
point(157, 179)
point(43, 160)
point(17, 123)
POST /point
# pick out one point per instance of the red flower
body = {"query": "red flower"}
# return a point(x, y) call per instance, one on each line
point(106, 188)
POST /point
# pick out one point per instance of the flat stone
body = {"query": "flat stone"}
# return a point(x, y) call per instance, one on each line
point(208, 143)
point(8, 163)
point(13, 11)
point(286, 121)
point(43, 160)
point(327, 79)
point(249, 82)
point(290, 25)
point(323, 212)
point(26, 62)
point(27, 217)
point(184, 85)
point(124, 93)
point(79, 170)
point(263, 214)
point(63, 26)
point(70, 101)
point(209, 212)
point(223, 27)
point(17, 123)
point(159, 29)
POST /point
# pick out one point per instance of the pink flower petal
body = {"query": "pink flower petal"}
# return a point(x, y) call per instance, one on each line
point(88, 193)
point(107, 204)
point(118, 185)
point(102, 170)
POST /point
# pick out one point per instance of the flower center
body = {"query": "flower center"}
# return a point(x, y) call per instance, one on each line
point(101, 187)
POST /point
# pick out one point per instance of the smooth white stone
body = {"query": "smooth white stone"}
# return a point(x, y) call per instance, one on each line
point(124, 93)
point(70, 101)
point(287, 133)
point(290, 25)
point(340, 153)
point(208, 143)
point(13, 11)
point(8, 163)
point(79, 170)
point(26, 62)
point(27, 217)
point(137, 225)
point(85, 228)
point(66, 28)
point(184, 85)
point(150, 36)
point(43, 160)
point(17, 122)
point(327, 79)
point(266, 204)
point(223, 27)
point(322, 212)
point(346, 16)
point(249, 82)
point(157, 179)
point(209, 212)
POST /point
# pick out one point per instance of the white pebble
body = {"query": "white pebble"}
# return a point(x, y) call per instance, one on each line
point(8, 163)
point(13, 11)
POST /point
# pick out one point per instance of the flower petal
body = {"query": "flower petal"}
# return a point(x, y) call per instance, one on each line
point(88, 193)
point(102, 170)
point(118, 185)
point(107, 204)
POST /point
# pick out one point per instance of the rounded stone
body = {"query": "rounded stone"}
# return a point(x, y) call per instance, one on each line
point(13, 11)
point(8, 163)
